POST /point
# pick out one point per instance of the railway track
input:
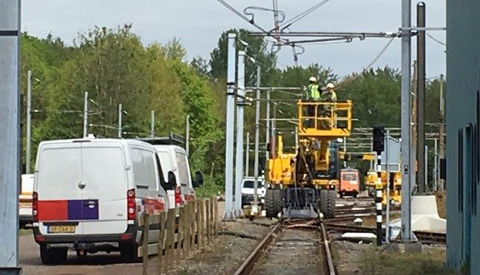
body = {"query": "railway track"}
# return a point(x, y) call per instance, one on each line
point(297, 248)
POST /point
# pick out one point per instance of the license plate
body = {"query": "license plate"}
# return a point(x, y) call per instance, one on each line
point(61, 229)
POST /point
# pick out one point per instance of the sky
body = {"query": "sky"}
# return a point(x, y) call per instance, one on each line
point(199, 23)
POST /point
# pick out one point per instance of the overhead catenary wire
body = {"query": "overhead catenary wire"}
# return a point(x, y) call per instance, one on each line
point(302, 15)
point(436, 40)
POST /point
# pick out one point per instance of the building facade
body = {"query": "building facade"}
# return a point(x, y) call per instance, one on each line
point(463, 134)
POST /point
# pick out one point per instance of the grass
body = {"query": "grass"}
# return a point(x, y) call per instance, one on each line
point(375, 261)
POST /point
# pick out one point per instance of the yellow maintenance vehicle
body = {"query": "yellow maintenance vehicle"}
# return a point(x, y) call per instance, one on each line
point(395, 181)
point(303, 184)
point(372, 176)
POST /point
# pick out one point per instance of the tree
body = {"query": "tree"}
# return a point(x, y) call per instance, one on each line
point(201, 66)
point(376, 97)
point(114, 67)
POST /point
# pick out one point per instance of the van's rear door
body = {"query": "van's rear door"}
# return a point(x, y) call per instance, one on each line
point(104, 197)
point(58, 175)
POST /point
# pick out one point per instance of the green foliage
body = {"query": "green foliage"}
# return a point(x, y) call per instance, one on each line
point(376, 97)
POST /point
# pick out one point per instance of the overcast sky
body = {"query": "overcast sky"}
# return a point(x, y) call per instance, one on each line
point(199, 23)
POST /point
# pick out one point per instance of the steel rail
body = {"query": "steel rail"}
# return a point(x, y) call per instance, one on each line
point(328, 252)
point(249, 263)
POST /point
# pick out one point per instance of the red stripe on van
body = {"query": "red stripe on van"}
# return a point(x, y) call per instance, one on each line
point(54, 210)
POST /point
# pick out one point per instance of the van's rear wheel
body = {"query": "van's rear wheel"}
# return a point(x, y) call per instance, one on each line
point(51, 256)
point(129, 252)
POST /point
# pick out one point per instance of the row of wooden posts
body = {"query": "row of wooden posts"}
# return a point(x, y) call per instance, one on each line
point(181, 231)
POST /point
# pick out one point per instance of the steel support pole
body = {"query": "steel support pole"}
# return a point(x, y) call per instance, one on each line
point(29, 122)
point(441, 138)
point(229, 135)
point(426, 167)
point(387, 169)
point(120, 120)
point(421, 171)
point(10, 134)
point(85, 115)
point(435, 165)
point(187, 135)
point(267, 121)
point(152, 126)
point(247, 154)
point(406, 107)
point(257, 141)
point(239, 152)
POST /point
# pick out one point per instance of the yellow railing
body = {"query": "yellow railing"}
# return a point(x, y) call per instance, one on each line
point(323, 118)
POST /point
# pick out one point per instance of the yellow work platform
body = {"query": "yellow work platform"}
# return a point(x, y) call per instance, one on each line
point(320, 119)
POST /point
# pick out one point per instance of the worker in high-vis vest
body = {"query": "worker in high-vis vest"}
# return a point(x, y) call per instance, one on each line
point(312, 94)
point(330, 96)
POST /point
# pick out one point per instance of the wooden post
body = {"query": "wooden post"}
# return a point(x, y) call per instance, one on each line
point(161, 243)
point(199, 223)
point(146, 229)
point(215, 208)
point(186, 238)
point(193, 224)
point(203, 224)
point(181, 233)
point(207, 220)
point(170, 239)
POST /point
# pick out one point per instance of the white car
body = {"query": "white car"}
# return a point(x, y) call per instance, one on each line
point(248, 190)
point(89, 193)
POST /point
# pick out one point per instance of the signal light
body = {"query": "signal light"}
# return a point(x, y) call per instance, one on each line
point(378, 139)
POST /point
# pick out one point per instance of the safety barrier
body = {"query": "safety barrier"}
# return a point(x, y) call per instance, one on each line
point(181, 232)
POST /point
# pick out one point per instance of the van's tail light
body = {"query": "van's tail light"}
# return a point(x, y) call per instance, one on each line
point(131, 205)
point(178, 197)
point(35, 206)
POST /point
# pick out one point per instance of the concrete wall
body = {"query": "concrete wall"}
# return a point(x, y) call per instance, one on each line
point(463, 60)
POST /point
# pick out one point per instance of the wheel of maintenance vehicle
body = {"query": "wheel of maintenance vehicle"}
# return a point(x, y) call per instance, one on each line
point(323, 203)
point(277, 201)
point(332, 197)
point(269, 204)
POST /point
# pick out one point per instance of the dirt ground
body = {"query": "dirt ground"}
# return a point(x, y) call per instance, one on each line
point(223, 257)
point(354, 258)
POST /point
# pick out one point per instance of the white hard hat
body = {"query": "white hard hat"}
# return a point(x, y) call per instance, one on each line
point(312, 79)
point(330, 86)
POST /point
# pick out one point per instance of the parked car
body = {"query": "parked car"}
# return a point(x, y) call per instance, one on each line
point(25, 200)
point(174, 158)
point(89, 193)
point(248, 190)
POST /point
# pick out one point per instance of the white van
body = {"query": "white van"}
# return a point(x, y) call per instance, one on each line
point(88, 194)
point(174, 158)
